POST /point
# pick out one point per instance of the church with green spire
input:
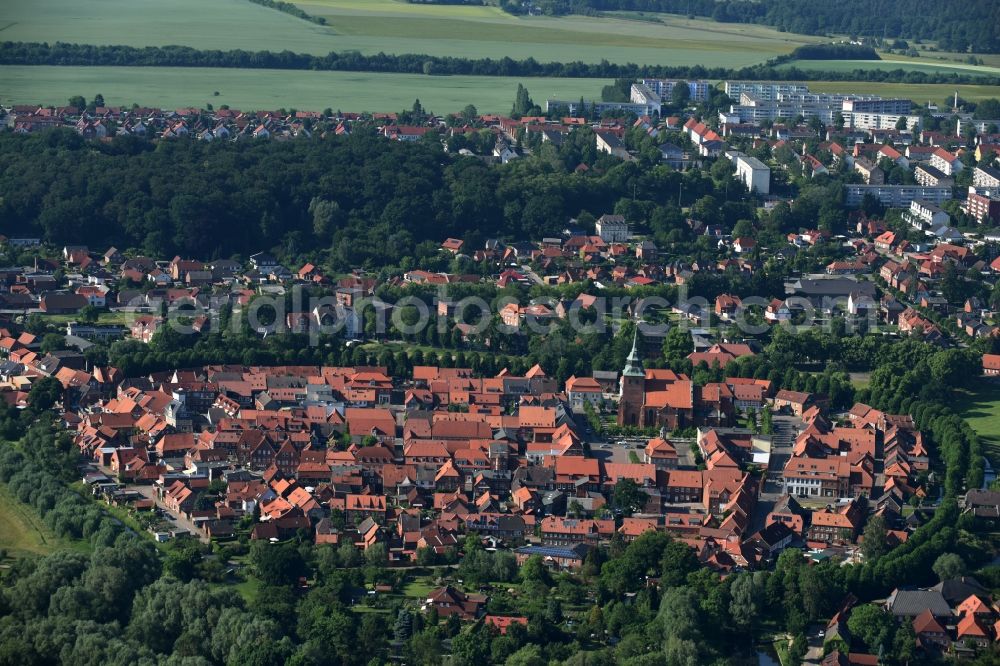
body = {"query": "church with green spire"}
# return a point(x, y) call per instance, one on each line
point(648, 398)
point(632, 387)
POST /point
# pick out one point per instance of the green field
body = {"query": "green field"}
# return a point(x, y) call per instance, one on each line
point(981, 408)
point(391, 26)
point(103, 319)
point(907, 65)
point(255, 89)
point(488, 32)
point(172, 87)
point(22, 532)
point(918, 92)
point(949, 57)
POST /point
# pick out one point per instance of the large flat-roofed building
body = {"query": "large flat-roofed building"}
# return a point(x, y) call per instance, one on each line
point(880, 121)
point(896, 196)
point(665, 88)
point(825, 106)
point(762, 100)
point(899, 107)
point(754, 108)
point(640, 93)
point(755, 174)
point(986, 177)
point(765, 90)
point(923, 214)
point(983, 205)
point(929, 176)
point(586, 106)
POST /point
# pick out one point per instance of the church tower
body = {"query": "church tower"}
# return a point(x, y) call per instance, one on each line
point(632, 390)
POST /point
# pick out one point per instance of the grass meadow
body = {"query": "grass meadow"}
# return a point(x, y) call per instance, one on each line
point(22, 532)
point(918, 92)
point(174, 87)
point(890, 63)
point(392, 26)
point(981, 408)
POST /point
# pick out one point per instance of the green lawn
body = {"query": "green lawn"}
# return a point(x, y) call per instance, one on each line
point(248, 589)
point(860, 380)
point(271, 89)
point(393, 26)
point(418, 589)
point(105, 318)
point(22, 532)
point(780, 646)
point(981, 408)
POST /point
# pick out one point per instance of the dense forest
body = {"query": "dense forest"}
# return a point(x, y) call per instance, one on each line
point(366, 199)
point(958, 25)
point(59, 53)
point(834, 52)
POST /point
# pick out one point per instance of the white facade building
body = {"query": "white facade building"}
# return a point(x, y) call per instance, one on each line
point(755, 174)
point(612, 229)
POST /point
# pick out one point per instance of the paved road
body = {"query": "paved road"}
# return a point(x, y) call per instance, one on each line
point(178, 520)
point(786, 428)
point(531, 275)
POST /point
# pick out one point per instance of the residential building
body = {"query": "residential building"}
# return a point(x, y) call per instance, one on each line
point(575, 108)
point(449, 601)
point(929, 176)
point(896, 196)
point(925, 215)
point(664, 88)
point(983, 205)
point(582, 391)
point(986, 177)
point(764, 89)
point(948, 163)
point(871, 172)
point(612, 228)
point(755, 174)
point(610, 143)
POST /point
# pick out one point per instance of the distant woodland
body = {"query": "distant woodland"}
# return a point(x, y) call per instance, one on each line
point(957, 25)
point(59, 53)
point(368, 198)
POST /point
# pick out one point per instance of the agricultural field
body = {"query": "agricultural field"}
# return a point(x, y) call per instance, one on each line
point(890, 63)
point(393, 26)
point(173, 87)
point(918, 92)
point(488, 32)
point(946, 57)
